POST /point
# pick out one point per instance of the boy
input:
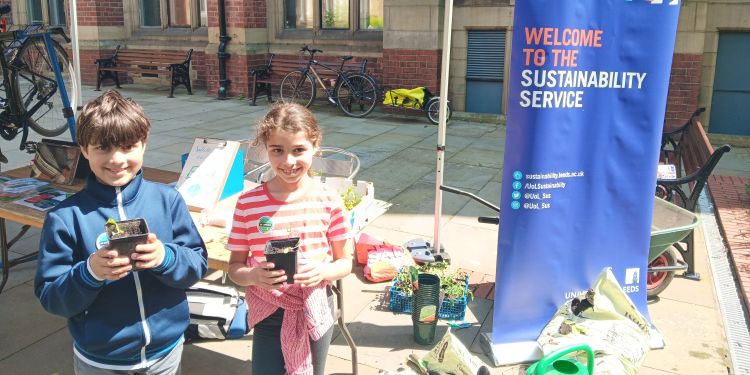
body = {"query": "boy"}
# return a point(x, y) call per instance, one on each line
point(121, 321)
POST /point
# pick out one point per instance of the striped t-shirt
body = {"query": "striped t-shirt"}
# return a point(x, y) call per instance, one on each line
point(317, 218)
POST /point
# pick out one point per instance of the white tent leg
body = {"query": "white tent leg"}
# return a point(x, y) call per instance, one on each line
point(444, 71)
point(76, 54)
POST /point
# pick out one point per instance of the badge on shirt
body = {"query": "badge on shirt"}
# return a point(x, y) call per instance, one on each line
point(102, 241)
point(265, 224)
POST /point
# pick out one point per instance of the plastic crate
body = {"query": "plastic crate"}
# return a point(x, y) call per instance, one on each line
point(449, 309)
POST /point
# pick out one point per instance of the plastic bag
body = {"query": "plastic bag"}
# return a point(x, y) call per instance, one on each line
point(412, 98)
point(449, 356)
point(382, 260)
point(608, 322)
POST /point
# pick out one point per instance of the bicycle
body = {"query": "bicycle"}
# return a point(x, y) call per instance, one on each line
point(32, 76)
point(355, 93)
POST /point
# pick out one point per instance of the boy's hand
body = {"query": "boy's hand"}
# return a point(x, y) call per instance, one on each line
point(107, 264)
point(264, 277)
point(150, 254)
point(310, 274)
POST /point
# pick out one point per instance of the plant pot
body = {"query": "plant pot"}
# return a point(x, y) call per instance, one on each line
point(283, 254)
point(132, 233)
point(425, 302)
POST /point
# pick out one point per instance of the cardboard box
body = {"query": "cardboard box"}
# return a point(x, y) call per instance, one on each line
point(361, 214)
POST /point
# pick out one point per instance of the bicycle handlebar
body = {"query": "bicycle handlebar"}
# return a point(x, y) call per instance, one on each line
point(312, 51)
point(33, 31)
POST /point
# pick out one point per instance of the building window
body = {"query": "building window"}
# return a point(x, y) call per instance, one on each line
point(298, 14)
point(335, 14)
point(56, 12)
point(371, 14)
point(332, 14)
point(173, 13)
point(150, 13)
point(50, 12)
point(35, 11)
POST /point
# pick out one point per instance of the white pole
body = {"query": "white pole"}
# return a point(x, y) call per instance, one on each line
point(76, 55)
point(444, 71)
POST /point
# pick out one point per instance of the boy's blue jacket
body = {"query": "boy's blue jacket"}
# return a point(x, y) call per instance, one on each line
point(142, 316)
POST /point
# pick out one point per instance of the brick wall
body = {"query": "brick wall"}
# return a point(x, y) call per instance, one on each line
point(240, 13)
point(88, 68)
point(405, 68)
point(684, 88)
point(198, 64)
point(100, 13)
point(238, 71)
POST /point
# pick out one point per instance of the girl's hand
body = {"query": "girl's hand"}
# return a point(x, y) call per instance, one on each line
point(264, 277)
point(150, 254)
point(310, 274)
point(107, 264)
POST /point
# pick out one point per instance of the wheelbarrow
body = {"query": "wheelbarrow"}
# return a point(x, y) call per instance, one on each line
point(670, 224)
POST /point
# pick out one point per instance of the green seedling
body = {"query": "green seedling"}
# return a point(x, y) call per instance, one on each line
point(113, 230)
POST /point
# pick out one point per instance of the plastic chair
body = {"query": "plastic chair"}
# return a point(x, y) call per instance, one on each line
point(256, 162)
point(335, 162)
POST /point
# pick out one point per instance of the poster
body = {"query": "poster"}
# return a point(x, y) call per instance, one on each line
point(213, 171)
point(587, 92)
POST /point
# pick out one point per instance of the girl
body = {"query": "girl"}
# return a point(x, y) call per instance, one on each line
point(293, 323)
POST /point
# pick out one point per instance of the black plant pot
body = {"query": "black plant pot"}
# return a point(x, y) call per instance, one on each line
point(283, 254)
point(425, 304)
point(132, 233)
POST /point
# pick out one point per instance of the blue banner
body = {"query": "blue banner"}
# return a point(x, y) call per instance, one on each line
point(587, 94)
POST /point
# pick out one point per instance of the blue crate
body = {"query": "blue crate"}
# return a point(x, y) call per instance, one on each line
point(449, 309)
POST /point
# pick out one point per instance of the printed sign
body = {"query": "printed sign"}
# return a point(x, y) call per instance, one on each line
point(587, 92)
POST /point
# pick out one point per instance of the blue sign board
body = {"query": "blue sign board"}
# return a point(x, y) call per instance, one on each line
point(587, 93)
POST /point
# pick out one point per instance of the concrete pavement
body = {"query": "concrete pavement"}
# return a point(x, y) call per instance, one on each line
point(398, 155)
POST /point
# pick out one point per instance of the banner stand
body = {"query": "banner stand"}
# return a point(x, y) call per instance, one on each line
point(587, 87)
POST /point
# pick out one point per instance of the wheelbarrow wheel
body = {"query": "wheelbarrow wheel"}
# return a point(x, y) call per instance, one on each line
point(657, 281)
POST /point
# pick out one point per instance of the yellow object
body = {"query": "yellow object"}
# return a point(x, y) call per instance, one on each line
point(112, 227)
point(412, 98)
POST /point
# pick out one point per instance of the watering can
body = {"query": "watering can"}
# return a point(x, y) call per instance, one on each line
point(554, 364)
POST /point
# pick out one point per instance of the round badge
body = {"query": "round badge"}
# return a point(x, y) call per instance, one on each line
point(265, 224)
point(102, 241)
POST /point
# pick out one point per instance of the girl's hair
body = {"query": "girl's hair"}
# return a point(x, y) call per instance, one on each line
point(112, 120)
point(292, 118)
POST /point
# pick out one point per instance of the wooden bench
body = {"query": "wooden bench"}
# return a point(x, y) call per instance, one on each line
point(175, 65)
point(671, 138)
point(694, 159)
point(265, 77)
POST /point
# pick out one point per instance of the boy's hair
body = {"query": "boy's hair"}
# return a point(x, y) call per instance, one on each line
point(112, 120)
point(291, 118)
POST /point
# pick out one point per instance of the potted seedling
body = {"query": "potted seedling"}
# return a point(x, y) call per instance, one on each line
point(125, 235)
point(454, 291)
point(283, 254)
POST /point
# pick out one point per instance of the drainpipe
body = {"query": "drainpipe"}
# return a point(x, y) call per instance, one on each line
point(223, 55)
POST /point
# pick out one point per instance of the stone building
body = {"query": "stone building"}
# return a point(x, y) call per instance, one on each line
point(402, 42)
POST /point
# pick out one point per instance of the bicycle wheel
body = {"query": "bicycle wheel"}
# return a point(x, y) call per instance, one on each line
point(357, 94)
point(297, 87)
point(35, 84)
point(433, 110)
